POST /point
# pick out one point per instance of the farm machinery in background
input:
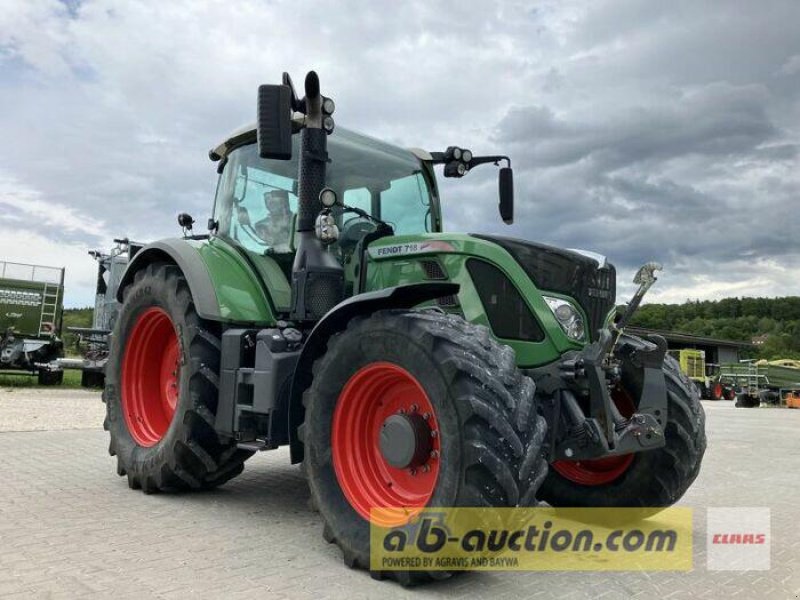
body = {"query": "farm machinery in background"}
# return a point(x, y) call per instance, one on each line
point(31, 306)
point(92, 341)
point(764, 383)
point(751, 383)
point(706, 376)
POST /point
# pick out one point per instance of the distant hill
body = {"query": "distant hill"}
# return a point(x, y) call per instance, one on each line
point(775, 322)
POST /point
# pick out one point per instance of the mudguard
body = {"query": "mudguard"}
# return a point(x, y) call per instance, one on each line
point(405, 296)
point(224, 286)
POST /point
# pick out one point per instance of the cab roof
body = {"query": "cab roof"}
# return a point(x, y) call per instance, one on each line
point(247, 135)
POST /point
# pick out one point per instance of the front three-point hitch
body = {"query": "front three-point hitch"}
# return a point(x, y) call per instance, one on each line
point(585, 387)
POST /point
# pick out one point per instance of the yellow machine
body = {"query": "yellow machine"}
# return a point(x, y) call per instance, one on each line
point(705, 375)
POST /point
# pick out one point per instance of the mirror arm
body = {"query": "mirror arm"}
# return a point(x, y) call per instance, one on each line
point(482, 160)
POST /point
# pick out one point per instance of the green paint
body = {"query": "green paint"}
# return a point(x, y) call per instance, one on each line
point(391, 270)
point(253, 288)
point(240, 295)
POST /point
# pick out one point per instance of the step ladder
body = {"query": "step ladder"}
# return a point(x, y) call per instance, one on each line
point(49, 312)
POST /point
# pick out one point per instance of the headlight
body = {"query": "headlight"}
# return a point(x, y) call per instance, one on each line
point(568, 317)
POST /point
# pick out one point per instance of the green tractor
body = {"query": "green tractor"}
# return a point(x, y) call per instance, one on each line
point(405, 367)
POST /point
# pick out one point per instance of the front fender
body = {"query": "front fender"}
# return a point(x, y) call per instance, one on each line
point(224, 286)
point(405, 296)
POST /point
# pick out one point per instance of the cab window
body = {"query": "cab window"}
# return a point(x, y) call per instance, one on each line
point(257, 198)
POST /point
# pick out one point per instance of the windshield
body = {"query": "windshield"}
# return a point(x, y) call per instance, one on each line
point(257, 198)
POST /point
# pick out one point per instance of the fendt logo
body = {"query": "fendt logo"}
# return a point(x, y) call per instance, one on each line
point(11, 315)
point(738, 539)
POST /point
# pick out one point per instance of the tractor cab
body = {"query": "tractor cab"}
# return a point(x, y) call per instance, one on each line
point(256, 202)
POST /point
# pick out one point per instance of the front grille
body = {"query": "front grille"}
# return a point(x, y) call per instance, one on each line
point(568, 273)
point(597, 296)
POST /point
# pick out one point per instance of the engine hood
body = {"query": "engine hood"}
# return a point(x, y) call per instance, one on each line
point(590, 282)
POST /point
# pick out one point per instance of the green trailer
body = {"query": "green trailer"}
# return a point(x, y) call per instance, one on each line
point(761, 383)
point(31, 306)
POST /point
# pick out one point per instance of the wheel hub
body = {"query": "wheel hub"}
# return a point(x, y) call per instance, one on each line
point(385, 444)
point(150, 382)
point(405, 440)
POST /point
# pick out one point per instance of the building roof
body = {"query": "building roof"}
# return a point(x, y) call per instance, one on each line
point(688, 338)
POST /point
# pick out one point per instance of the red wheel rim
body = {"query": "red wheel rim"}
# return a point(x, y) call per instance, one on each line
point(600, 471)
point(717, 391)
point(150, 376)
point(372, 395)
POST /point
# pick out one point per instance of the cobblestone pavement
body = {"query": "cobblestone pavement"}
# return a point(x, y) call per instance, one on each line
point(70, 528)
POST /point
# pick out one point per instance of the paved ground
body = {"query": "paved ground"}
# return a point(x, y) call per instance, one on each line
point(70, 528)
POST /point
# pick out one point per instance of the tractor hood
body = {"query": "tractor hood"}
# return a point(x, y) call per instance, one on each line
point(589, 281)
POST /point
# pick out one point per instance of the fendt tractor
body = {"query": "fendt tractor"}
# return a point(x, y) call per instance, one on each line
point(404, 367)
point(31, 306)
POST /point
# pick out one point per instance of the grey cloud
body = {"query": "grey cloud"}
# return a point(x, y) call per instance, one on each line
point(718, 119)
point(638, 129)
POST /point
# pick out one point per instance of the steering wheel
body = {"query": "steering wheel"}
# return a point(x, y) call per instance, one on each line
point(353, 230)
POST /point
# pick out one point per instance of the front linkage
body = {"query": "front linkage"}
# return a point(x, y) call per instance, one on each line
point(586, 422)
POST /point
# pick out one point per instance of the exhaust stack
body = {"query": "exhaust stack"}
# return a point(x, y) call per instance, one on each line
point(317, 277)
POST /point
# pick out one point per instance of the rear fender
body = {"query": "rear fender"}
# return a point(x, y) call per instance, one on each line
point(336, 320)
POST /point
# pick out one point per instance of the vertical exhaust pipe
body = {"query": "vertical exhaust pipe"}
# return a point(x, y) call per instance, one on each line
point(317, 277)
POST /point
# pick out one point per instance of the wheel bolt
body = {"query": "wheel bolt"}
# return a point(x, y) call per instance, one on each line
point(402, 411)
point(434, 454)
point(426, 468)
point(413, 472)
point(426, 416)
point(434, 433)
point(414, 408)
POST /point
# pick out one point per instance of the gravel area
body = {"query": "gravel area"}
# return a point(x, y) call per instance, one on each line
point(50, 409)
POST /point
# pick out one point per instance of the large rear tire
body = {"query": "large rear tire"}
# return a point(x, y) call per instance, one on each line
point(653, 479)
point(454, 385)
point(161, 389)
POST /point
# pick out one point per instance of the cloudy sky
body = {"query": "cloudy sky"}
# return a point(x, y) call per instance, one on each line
point(641, 130)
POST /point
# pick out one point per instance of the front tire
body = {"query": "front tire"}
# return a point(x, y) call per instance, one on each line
point(446, 382)
point(652, 479)
point(161, 389)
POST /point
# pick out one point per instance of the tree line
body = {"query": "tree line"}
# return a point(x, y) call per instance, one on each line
point(739, 319)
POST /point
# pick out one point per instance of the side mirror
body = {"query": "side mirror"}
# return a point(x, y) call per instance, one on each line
point(506, 192)
point(274, 122)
